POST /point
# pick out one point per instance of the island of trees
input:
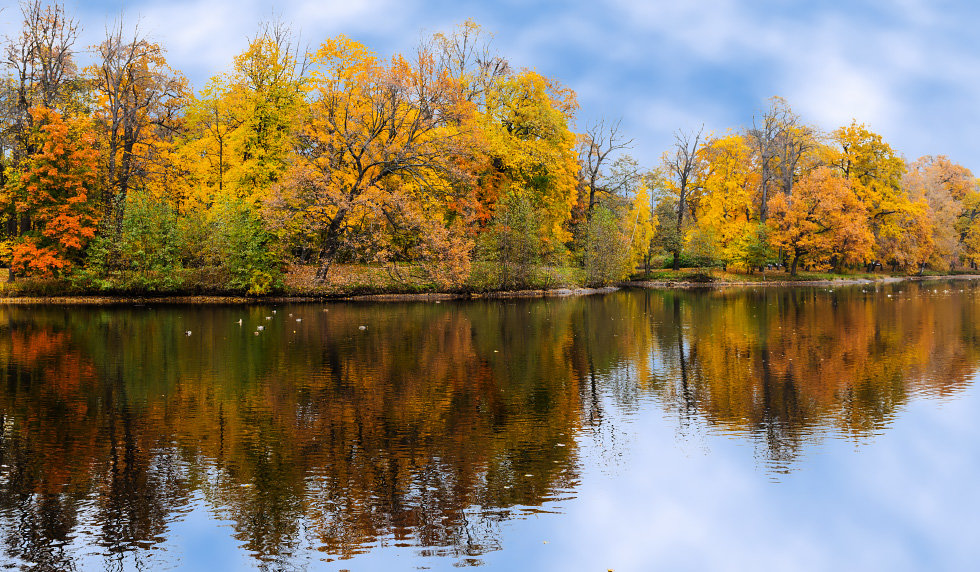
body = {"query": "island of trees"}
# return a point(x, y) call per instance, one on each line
point(444, 168)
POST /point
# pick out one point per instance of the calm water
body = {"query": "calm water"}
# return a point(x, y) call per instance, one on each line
point(774, 429)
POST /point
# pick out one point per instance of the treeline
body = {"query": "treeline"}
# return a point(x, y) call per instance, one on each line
point(118, 175)
point(783, 193)
point(445, 161)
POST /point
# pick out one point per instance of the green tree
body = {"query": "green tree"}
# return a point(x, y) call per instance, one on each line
point(511, 244)
point(607, 253)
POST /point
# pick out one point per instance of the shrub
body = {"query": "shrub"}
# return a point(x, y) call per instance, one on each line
point(606, 250)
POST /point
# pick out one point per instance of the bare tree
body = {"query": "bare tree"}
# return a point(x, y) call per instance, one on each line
point(598, 145)
point(284, 61)
point(780, 141)
point(40, 71)
point(765, 135)
point(681, 165)
point(41, 57)
point(795, 141)
point(467, 55)
point(141, 93)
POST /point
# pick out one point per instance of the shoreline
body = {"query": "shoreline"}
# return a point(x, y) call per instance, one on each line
point(95, 300)
point(86, 300)
point(668, 285)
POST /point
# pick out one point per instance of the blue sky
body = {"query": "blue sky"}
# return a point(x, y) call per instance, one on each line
point(910, 69)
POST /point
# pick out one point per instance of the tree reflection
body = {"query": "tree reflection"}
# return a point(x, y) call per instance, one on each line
point(424, 428)
point(785, 364)
point(431, 424)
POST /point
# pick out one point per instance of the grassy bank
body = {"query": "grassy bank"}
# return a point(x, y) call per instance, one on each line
point(410, 281)
point(343, 281)
point(722, 277)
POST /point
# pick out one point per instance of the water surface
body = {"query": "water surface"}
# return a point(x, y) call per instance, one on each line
point(796, 428)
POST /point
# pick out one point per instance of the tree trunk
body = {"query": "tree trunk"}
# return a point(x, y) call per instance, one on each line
point(331, 243)
point(796, 259)
point(322, 270)
point(677, 260)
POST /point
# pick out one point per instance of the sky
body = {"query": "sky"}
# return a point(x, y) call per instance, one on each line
point(909, 69)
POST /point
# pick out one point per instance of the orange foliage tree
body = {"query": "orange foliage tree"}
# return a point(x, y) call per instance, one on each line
point(822, 219)
point(55, 188)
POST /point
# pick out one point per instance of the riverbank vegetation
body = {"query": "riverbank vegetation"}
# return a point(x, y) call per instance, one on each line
point(335, 169)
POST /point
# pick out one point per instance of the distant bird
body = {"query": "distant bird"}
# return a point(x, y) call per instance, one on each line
point(260, 328)
point(239, 321)
point(268, 317)
point(273, 311)
point(187, 333)
point(362, 328)
point(299, 319)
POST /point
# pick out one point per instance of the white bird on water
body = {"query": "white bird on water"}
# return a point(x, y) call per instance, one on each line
point(239, 321)
point(187, 333)
point(260, 328)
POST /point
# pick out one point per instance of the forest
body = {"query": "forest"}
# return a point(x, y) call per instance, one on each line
point(440, 169)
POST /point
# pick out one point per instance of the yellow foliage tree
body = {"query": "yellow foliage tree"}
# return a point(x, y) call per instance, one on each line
point(530, 148)
point(727, 184)
point(641, 225)
point(373, 159)
point(875, 173)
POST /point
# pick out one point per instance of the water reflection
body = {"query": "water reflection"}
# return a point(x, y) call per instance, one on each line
point(336, 428)
point(785, 366)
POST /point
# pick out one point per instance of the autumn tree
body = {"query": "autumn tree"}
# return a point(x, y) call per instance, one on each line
point(823, 218)
point(40, 68)
point(470, 65)
point(531, 149)
point(640, 224)
point(205, 148)
point(727, 183)
point(968, 224)
point(874, 173)
point(680, 163)
point(373, 149)
point(55, 189)
point(140, 98)
point(267, 89)
point(940, 187)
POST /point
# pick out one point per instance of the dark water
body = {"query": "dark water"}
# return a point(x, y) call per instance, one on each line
point(774, 429)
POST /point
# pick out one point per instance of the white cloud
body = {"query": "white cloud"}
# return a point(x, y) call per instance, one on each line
point(905, 68)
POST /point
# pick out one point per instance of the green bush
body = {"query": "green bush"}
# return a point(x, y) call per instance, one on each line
point(158, 250)
point(248, 251)
point(511, 245)
point(606, 252)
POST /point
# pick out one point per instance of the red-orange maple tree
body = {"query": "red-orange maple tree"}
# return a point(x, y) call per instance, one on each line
point(56, 188)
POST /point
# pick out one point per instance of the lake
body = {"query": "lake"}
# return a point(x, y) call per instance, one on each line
point(807, 428)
